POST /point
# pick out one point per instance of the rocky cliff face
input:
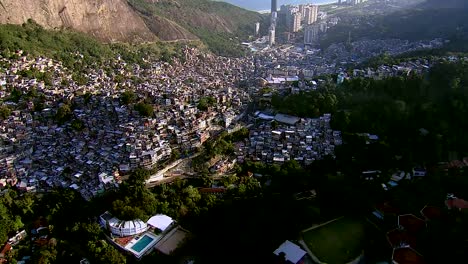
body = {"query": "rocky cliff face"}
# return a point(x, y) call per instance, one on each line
point(107, 20)
point(215, 23)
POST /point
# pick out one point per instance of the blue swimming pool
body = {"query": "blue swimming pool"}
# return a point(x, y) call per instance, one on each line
point(142, 243)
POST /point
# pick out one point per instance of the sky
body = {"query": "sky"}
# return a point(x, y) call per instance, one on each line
point(258, 5)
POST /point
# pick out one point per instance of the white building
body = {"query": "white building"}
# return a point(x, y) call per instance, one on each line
point(311, 14)
point(291, 252)
point(122, 228)
point(271, 36)
point(297, 19)
point(257, 29)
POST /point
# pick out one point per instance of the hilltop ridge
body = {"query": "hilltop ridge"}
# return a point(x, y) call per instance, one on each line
point(217, 24)
point(106, 20)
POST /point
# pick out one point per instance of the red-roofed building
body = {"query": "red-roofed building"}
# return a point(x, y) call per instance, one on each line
point(123, 241)
point(407, 255)
point(411, 223)
point(7, 248)
point(431, 212)
point(398, 237)
point(387, 209)
point(465, 160)
point(456, 203)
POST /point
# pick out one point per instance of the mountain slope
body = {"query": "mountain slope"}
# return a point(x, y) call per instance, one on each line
point(431, 19)
point(445, 4)
point(107, 20)
point(217, 24)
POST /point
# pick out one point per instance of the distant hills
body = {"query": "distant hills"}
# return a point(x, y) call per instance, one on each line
point(446, 4)
point(137, 21)
point(431, 19)
point(259, 5)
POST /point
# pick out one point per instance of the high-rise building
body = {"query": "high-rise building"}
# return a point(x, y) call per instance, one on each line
point(274, 6)
point(271, 36)
point(323, 27)
point(302, 10)
point(297, 19)
point(311, 14)
point(311, 34)
point(356, 2)
point(274, 17)
point(257, 29)
point(309, 17)
point(284, 9)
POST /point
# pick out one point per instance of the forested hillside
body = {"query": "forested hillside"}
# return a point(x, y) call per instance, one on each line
point(421, 118)
point(64, 45)
point(447, 20)
point(221, 26)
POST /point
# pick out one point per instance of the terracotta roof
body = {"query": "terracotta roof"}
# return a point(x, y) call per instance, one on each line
point(387, 208)
point(123, 241)
point(5, 249)
point(411, 223)
point(397, 237)
point(456, 203)
point(407, 256)
point(431, 212)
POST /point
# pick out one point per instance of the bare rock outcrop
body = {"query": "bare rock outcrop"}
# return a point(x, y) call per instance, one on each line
point(107, 20)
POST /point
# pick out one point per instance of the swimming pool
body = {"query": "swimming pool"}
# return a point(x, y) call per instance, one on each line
point(142, 243)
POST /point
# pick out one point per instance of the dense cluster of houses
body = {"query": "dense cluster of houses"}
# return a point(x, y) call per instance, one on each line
point(416, 66)
point(290, 138)
point(39, 153)
point(290, 60)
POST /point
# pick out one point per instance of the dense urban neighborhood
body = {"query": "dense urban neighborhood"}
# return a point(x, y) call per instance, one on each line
point(295, 152)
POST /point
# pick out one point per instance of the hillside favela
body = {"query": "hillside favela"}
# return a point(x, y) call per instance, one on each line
point(234, 132)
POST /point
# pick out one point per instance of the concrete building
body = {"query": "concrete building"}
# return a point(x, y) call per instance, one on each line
point(311, 34)
point(271, 36)
point(291, 14)
point(323, 27)
point(302, 9)
point(122, 228)
point(274, 18)
point(274, 6)
point(311, 14)
point(257, 29)
point(357, 2)
point(296, 25)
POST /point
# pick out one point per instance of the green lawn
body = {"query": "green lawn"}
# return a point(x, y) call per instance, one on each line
point(337, 242)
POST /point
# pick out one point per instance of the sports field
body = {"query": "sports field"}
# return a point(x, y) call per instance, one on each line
point(337, 242)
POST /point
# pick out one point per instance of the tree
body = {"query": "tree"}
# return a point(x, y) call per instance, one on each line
point(175, 154)
point(63, 113)
point(25, 204)
point(87, 231)
point(102, 252)
point(77, 125)
point(144, 109)
point(205, 103)
point(128, 97)
point(45, 256)
point(5, 112)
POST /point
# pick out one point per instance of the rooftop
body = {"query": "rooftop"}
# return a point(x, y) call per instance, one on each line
point(411, 223)
point(293, 252)
point(431, 212)
point(407, 255)
point(161, 222)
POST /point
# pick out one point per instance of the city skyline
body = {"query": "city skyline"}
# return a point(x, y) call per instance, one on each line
point(265, 5)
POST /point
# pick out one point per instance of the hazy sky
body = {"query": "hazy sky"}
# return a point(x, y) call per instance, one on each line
point(258, 5)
